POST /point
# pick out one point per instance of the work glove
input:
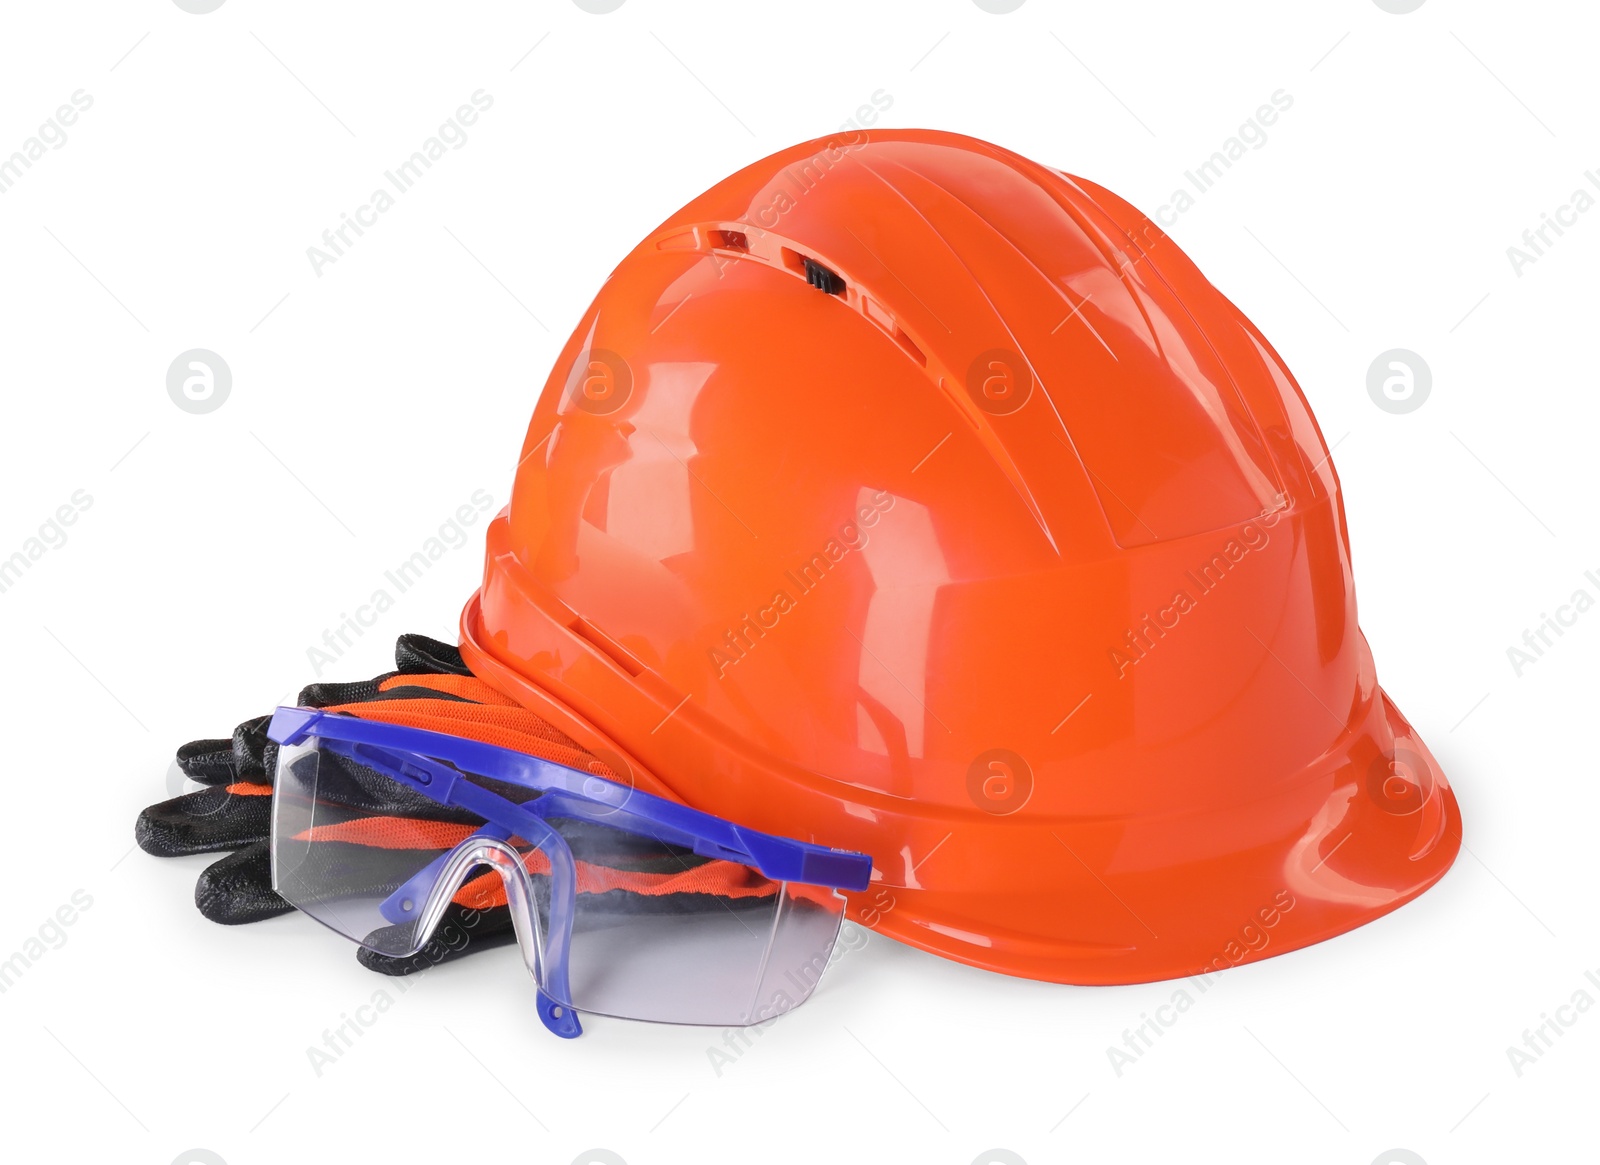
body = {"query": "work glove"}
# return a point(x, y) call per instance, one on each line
point(430, 688)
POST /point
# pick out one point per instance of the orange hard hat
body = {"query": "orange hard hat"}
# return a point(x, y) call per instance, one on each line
point(905, 495)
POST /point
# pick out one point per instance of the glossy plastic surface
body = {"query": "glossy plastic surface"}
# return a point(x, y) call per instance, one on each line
point(1010, 554)
point(745, 933)
point(434, 764)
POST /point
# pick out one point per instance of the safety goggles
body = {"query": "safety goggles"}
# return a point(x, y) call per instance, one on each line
point(624, 904)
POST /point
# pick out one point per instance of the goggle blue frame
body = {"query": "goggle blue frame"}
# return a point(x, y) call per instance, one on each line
point(434, 763)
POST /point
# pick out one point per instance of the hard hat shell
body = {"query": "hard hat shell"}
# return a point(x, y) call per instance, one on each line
point(906, 495)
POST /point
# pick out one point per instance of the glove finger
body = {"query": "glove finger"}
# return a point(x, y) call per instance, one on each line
point(249, 755)
point(211, 762)
point(238, 888)
point(417, 653)
point(242, 757)
point(413, 655)
point(203, 822)
point(254, 755)
point(328, 694)
point(463, 931)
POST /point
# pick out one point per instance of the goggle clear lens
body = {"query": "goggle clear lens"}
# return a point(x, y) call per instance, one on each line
point(621, 921)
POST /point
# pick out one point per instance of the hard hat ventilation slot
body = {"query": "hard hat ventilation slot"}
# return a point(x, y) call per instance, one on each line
point(821, 277)
point(729, 240)
point(910, 346)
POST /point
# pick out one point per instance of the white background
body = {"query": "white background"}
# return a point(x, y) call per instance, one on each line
point(371, 401)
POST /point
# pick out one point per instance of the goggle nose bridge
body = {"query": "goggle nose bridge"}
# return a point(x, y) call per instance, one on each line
point(545, 956)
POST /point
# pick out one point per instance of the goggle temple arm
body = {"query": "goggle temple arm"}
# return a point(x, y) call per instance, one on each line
point(779, 858)
point(443, 784)
point(444, 877)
